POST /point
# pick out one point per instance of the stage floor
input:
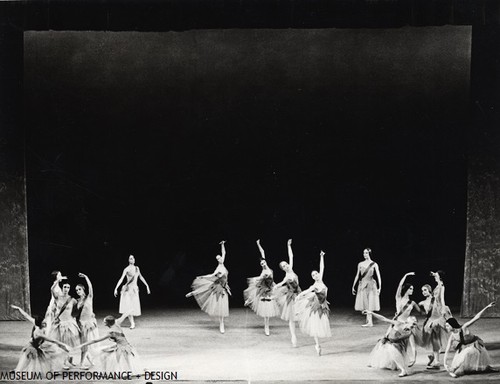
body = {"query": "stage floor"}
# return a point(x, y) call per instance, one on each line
point(188, 342)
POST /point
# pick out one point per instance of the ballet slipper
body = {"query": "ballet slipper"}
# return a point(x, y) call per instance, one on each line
point(318, 350)
point(294, 341)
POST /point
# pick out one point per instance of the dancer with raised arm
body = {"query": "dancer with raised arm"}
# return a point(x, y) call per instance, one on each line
point(86, 317)
point(286, 292)
point(129, 295)
point(367, 294)
point(51, 309)
point(212, 291)
point(391, 351)
point(312, 308)
point(42, 354)
point(471, 355)
point(404, 304)
point(434, 330)
point(64, 327)
point(259, 294)
point(119, 357)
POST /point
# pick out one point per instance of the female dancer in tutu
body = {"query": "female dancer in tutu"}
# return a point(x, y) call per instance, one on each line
point(259, 294)
point(367, 294)
point(312, 307)
point(119, 357)
point(434, 331)
point(212, 291)
point(471, 356)
point(43, 354)
point(404, 304)
point(85, 317)
point(286, 292)
point(129, 295)
point(391, 351)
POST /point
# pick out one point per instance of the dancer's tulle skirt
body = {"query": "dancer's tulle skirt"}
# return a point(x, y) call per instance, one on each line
point(129, 301)
point(262, 305)
point(471, 358)
point(211, 296)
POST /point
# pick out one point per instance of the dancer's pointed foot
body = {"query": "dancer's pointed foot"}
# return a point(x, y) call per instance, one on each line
point(318, 350)
point(452, 374)
point(132, 326)
point(221, 328)
point(403, 374)
point(367, 325)
point(266, 330)
point(294, 341)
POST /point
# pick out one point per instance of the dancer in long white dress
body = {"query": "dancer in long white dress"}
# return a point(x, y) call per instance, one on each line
point(312, 308)
point(471, 355)
point(42, 354)
point(367, 293)
point(64, 327)
point(119, 357)
point(286, 292)
point(391, 351)
point(259, 294)
point(129, 294)
point(212, 291)
point(51, 308)
point(86, 317)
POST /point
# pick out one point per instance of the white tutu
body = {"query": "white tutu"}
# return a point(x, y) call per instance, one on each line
point(120, 357)
point(66, 331)
point(41, 356)
point(472, 357)
point(258, 296)
point(390, 349)
point(129, 300)
point(211, 294)
point(89, 332)
point(313, 315)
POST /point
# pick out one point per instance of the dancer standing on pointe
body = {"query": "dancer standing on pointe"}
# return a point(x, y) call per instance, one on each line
point(51, 309)
point(367, 294)
point(434, 329)
point(286, 292)
point(391, 351)
point(212, 291)
point(129, 295)
point(471, 355)
point(119, 357)
point(312, 307)
point(41, 354)
point(259, 294)
point(86, 317)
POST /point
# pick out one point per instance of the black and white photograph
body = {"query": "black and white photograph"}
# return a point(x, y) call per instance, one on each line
point(257, 191)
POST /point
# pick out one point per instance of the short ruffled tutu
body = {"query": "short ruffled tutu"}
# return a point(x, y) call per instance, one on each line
point(313, 316)
point(66, 331)
point(285, 298)
point(47, 357)
point(129, 300)
point(211, 296)
point(117, 358)
point(385, 353)
point(259, 298)
point(471, 358)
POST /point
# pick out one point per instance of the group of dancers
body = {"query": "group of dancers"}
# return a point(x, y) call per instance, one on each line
point(70, 325)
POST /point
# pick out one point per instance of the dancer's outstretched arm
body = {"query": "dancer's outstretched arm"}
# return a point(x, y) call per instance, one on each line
point(119, 282)
point(321, 264)
point(223, 250)
point(144, 281)
point(92, 342)
point(290, 253)
point(400, 286)
point(478, 315)
point(262, 253)
point(377, 271)
point(91, 289)
point(24, 313)
point(380, 317)
point(54, 285)
point(356, 278)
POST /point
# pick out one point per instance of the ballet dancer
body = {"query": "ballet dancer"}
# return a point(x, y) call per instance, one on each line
point(51, 309)
point(129, 294)
point(312, 307)
point(64, 327)
point(42, 354)
point(119, 357)
point(86, 317)
point(471, 355)
point(259, 294)
point(434, 330)
point(391, 351)
point(367, 294)
point(286, 292)
point(404, 304)
point(212, 291)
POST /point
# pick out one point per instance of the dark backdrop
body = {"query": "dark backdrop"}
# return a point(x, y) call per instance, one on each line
point(163, 144)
